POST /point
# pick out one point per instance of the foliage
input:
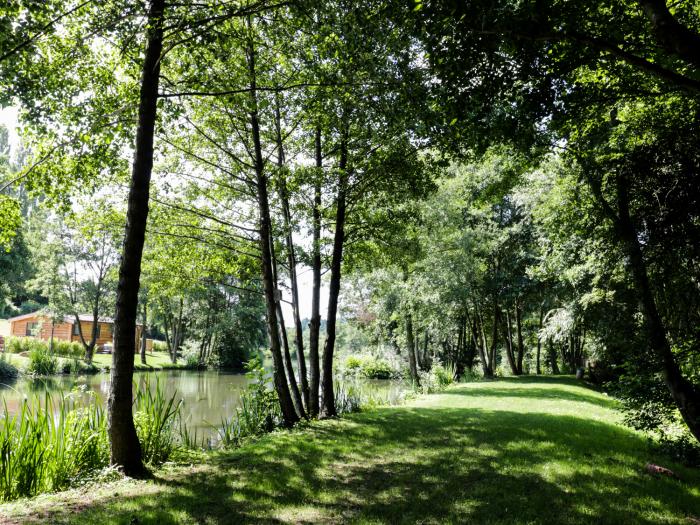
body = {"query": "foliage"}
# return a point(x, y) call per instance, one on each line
point(51, 446)
point(552, 439)
point(155, 418)
point(437, 379)
point(41, 362)
point(8, 371)
point(258, 412)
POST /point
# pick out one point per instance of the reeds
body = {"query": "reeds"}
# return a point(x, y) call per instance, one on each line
point(48, 444)
point(53, 442)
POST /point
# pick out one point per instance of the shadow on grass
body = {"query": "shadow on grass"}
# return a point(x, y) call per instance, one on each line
point(426, 465)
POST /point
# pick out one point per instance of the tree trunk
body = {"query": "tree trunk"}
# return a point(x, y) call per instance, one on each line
point(292, 263)
point(285, 399)
point(53, 328)
point(521, 344)
point(483, 346)
point(539, 342)
point(685, 394)
point(410, 348)
point(552, 357)
point(315, 323)
point(509, 344)
point(494, 341)
point(125, 449)
point(296, 394)
point(328, 395)
point(143, 333)
point(675, 37)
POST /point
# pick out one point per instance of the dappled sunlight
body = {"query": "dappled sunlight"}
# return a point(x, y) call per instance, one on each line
point(427, 463)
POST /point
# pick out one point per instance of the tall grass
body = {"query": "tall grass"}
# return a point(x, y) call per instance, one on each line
point(258, 412)
point(41, 362)
point(49, 444)
point(156, 417)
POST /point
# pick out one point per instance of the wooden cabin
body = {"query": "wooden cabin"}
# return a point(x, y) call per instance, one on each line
point(38, 325)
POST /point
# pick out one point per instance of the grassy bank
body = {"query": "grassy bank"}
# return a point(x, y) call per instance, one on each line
point(155, 361)
point(512, 451)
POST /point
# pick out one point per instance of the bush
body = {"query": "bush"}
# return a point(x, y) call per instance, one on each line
point(160, 346)
point(259, 410)
point(377, 369)
point(438, 378)
point(68, 349)
point(41, 362)
point(7, 370)
point(353, 363)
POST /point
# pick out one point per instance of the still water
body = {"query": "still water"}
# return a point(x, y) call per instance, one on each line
point(208, 397)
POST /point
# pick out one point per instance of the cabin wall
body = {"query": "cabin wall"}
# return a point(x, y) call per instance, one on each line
point(104, 336)
point(61, 330)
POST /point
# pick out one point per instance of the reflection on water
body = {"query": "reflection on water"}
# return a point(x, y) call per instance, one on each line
point(208, 397)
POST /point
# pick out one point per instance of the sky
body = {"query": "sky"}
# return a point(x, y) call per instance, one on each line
point(8, 118)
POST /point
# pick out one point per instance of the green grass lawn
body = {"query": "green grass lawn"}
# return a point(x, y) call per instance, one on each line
point(513, 451)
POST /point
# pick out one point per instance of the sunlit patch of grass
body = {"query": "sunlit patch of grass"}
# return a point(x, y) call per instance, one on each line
point(516, 451)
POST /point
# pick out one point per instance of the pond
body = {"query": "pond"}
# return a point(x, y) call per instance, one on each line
point(208, 397)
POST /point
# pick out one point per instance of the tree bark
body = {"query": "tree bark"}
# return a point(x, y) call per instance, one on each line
point(315, 322)
point(521, 344)
point(296, 394)
point(143, 333)
point(328, 395)
point(509, 344)
point(125, 449)
point(289, 414)
point(539, 343)
point(292, 263)
point(685, 394)
point(552, 357)
point(410, 347)
point(671, 34)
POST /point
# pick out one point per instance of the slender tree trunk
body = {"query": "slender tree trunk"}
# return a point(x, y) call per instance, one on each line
point(410, 348)
point(328, 395)
point(53, 328)
point(271, 292)
point(552, 357)
point(521, 344)
point(143, 333)
point(296, 394)
point(125, 449)
point(494, 340)
point(483, 346)
point(292, 263)
point(539, 343)
point(315, 323)
point(509, 344)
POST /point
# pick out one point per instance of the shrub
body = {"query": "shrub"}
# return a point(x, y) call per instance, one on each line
point(377, 369)
point(68, 349)
point(353, 363)
point(13, 345)
point(160, 346)
point(41, 362)
point(8, 371)
point(438, 378)
point(259, 410)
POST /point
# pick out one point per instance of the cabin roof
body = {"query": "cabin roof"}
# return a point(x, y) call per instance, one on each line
point(70, 319)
